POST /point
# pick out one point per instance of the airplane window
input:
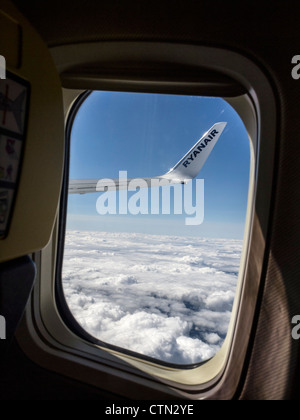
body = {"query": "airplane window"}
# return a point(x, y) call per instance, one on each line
point(158, 190)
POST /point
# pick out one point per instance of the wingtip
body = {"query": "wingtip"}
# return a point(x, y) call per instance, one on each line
point(223, 123)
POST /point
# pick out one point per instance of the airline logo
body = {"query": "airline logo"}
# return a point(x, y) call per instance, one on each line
point(199, 149)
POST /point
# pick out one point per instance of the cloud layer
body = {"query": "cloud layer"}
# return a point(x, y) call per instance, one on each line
point(166, 297)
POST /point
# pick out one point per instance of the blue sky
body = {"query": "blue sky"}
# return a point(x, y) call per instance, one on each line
point(146, 135)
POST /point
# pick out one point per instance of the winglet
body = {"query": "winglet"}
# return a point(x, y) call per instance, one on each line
point(191, 164)
point(185, 170)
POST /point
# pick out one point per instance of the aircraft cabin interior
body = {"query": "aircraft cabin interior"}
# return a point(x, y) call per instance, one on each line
point(201, 304)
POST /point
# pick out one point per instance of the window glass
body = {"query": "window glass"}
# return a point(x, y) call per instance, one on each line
point(154, 270)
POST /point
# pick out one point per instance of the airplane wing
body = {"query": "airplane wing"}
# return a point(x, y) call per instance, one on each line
point(184, 171)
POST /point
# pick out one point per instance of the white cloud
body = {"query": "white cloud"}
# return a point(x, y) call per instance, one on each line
point(165, 297)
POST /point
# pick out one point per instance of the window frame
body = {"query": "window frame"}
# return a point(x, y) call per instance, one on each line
point(61, 302)
point(52, 339)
